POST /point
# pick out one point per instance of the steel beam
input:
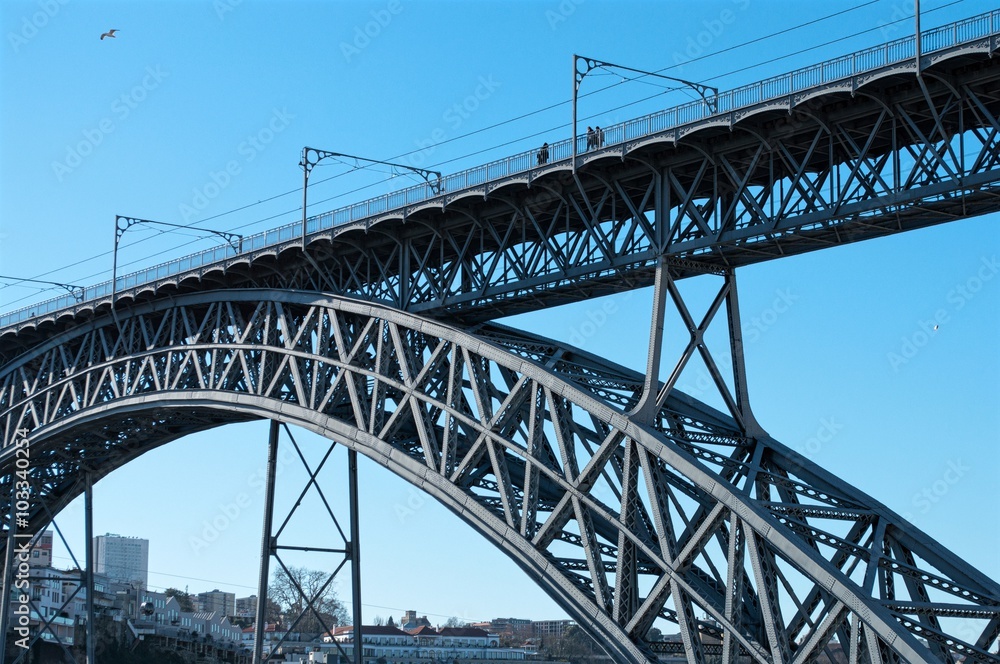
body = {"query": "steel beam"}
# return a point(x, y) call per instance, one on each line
point(355, 555)
point(528, 441)
point(88, 518)
point(266, 546)
point(866, 158)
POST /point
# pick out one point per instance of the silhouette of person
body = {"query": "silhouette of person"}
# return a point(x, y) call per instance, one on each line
point(543, 153)
point(591, 138)
point(598, 137)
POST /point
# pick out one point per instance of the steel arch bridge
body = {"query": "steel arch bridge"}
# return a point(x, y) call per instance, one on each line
point(626, 500)
point(531, 444)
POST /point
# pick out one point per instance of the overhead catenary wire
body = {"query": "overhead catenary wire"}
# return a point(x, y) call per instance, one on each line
point(217, 583)
point(297, 191)
point(456, 138)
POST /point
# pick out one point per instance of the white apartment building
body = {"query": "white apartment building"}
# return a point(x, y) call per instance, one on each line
point(122, 558)
point(218, 601)
point(425, 645)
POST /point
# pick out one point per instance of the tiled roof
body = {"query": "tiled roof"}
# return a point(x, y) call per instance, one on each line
point(463, 631)
point(424, 630)
point(204, 615)
point(375, 630)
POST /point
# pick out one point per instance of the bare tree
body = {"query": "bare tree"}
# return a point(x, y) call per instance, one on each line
point(183, 598)
point(291, 591)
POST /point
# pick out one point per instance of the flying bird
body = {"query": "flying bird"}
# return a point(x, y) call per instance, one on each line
point(109, 33)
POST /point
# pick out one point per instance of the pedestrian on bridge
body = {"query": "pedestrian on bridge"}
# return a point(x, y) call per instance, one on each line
point(543, 154)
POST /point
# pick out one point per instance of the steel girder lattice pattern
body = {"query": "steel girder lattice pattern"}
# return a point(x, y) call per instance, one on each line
point(622, 520)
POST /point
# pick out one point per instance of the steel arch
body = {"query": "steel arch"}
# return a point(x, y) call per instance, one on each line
point(529, 443)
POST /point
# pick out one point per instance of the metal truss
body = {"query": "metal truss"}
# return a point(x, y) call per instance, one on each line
point(871, 156)
point(828, 170)
point(624, 513)
point(270, 547)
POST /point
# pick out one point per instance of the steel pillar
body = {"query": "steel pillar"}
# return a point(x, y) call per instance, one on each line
point(270, 546)
point(266, 545)
point(684, 518)
point(742, 395)
point(8, 572)
point(88, 515)
point(646, 407)
point(355, 554)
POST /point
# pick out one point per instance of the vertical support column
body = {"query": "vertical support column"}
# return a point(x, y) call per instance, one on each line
point(739, 366)
point(305, 186)
point(352, 470)
point(573, 129)
point(647, 403)
point(8, 571)
point(661, 210)
point(88, 516)
point(266, 545)
point(405, 274)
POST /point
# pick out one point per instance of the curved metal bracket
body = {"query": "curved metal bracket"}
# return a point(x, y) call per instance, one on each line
point(76, 291)
point(122, 224)
point(308, 162)
point(590, 64)
point(312, 156)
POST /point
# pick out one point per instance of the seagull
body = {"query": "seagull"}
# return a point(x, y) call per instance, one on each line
point(936, 327)
point(109, 33)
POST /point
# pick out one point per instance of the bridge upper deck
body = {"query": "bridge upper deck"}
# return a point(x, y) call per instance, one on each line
point(634, 146)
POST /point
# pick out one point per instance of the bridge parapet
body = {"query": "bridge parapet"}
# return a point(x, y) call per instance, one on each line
point(976, 35)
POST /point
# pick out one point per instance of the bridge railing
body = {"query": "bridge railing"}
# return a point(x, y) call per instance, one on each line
point(947, 36)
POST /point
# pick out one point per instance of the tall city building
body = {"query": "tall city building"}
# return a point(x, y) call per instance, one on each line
point(246, 607)
point(122, 558)
point(41, 550)
point(216, 600)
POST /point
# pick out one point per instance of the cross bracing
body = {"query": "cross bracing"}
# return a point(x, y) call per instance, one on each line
point(748, 548)
point(629, 502)
point(788, 169)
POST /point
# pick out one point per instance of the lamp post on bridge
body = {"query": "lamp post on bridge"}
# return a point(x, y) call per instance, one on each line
point(590, 64)
point(312, 156)
point(123, 223)
point(76, 291)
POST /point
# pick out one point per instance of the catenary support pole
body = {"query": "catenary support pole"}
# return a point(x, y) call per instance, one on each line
point(305, 187)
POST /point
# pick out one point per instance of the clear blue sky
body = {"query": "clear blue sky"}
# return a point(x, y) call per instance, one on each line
point(145, 123)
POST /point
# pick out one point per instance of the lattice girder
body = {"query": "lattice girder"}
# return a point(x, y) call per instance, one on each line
point(622, 523)
point(887, 154)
